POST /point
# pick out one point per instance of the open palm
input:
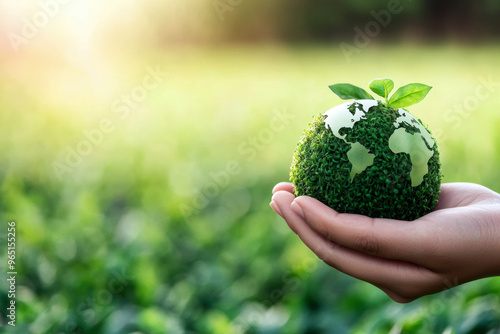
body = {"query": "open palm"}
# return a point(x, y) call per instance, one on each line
point(456, 243)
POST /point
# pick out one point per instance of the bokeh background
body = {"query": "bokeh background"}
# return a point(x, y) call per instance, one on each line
point(140, 141)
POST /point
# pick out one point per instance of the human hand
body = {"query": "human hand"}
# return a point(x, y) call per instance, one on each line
point(456, 243)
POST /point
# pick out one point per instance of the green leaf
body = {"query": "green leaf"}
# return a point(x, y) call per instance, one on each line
point(409, 95)
point(382, 87)
point(349, 92)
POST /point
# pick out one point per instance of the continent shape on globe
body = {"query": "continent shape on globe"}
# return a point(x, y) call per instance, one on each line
point(419, 146)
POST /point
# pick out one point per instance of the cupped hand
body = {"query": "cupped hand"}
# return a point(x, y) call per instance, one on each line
point(456, 243)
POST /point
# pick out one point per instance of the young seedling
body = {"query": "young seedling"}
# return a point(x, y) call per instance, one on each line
point(403, 97)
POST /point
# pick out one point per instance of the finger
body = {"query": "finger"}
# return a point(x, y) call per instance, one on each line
point(283, 186)
point(378, 271)
point(447, 197)
point(454, 195)
point(463, 194)
point(282, 201)
point(386, 238)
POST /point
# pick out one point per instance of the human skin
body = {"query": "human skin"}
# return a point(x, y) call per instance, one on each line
point(456, 243)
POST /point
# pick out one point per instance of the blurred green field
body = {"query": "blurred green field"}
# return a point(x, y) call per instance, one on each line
point(163, 225)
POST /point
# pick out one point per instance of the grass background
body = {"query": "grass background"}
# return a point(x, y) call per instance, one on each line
point(137, 238)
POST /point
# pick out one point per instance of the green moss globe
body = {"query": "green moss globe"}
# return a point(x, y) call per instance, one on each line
point(365, 158)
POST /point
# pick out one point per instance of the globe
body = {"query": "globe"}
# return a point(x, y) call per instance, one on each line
point(363, 157)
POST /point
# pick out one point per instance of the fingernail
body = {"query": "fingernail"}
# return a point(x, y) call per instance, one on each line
point(297, 209)
point(276, 208)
